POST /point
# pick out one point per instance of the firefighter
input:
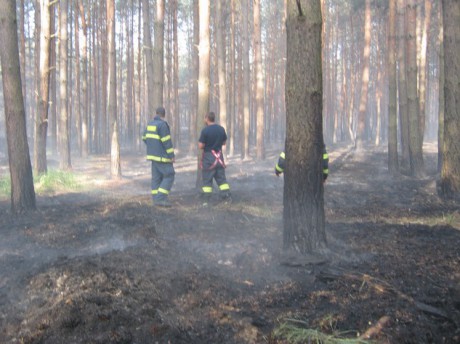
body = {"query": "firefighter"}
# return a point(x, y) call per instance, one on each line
point(211, 140)
point(160, 152)
point(279, 167)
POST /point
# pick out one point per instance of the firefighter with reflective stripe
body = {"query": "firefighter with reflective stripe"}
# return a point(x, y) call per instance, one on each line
point(160, 152)
point(211, 140)
point(279, 167)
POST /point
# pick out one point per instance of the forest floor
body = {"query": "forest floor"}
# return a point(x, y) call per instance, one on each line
point(102, 265)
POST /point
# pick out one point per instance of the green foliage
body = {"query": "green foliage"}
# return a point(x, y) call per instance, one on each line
point(55, 180)
point(5, 187)
point(294, 333)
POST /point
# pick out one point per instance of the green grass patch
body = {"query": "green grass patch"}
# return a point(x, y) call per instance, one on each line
point(293, 332)
point(51, 182)
point(55, 181)
point(5, 187)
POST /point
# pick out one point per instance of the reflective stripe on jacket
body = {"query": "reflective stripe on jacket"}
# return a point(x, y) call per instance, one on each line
point(157, 137)
point(279, 167)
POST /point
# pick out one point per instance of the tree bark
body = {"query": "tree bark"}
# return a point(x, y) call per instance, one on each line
point(194, 125)
point(393, 164)
point(402, 82)
point(221, 63)
point(84, 77)
point(303, 215)
point(64, 126)
point(115, 167)
point(41, 124)
point(203, 74)
point(417, 168)
point(450, 174)
point(22, 186)
point(260, 118)
point(158, 54)
point(361, 134)
point(246, 82)
point(148, 53)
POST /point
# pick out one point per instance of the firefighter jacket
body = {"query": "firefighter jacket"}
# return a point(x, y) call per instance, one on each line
point(279, 167)
point(157, 137)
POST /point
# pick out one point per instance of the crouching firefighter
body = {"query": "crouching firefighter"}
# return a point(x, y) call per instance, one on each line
point(212, 138)
point(160, 152)
point(279, 167)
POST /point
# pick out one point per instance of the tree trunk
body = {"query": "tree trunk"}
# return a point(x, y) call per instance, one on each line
point(158, 54)
point(41, 124)
point(361, 134)
point(22, 51)
point(115, 167)
point(148, 53)
point(22, 186)
point(423, 67)
point(175, 77)
point(402, 83)
point(259, 83)
point(220, 46)
point(450, 174)
point(203, 74)
point(441, 98)
point(195, 123)
point(78, 125)
point(232, 82)
point(417, 168)
point(303, 216)
point(64, 127)
point(84, 77)
point(393, 165)
point(246, 82)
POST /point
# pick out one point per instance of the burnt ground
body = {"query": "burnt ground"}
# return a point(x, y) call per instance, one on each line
point(102, 265)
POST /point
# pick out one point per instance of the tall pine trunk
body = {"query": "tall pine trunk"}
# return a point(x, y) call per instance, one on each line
point(41, 123)
point(22, 186)
point(450, 174)
point(303, 216)
point(64, 126)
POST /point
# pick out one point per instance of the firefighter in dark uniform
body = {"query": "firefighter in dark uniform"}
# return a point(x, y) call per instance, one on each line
point(279, 167)
point(211, 140)
point(160, 152)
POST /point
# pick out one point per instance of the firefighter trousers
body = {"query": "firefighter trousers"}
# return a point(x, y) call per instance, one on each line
point(162, 179)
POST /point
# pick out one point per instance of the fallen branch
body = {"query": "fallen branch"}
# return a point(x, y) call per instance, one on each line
point(381, 286)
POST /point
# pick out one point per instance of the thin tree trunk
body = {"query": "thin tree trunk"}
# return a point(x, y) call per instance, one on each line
point(84, 87)
point(148, 53)
point(22, 186)
point(417, 168)
point(194, 123)
point(361, 134)
point(175, 75)
point(441, 97)
point(450, 174)
point(259, 83)
point(41, 127)
point(138, 87)
point(221, 63)
point(78, 125)
point(203, 75)
point(423, 67)
point(393, 165)
point(115, 166)
point(232, 82)
point(158, 54)
point(22, 52)
point(64, 127)
point(246, 82)
point(402, 82)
